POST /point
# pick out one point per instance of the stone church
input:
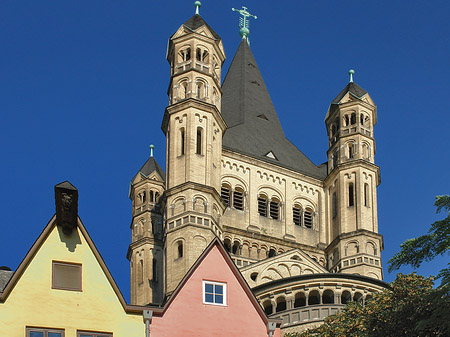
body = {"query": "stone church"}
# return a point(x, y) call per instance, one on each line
point(305, 237)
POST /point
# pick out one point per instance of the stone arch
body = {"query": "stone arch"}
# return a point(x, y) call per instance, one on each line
point(281, 303)
point(328, 297)
point(313, 297)
point(199, 203)
point(200, 243)
point(268, 307)
point(299, 299)
point(346, 297)
point(352, 248)
point(371, 248)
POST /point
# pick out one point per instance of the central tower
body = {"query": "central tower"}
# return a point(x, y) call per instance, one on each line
point(194, 128)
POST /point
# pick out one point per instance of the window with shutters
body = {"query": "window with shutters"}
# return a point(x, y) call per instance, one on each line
point(262, 205)
point(66, 276)
point(238, 199)
point(297, 215)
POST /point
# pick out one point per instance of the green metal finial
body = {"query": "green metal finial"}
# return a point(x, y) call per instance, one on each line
point(351, 72)
point(197, 5)
point(244, 23)
point(152, 147)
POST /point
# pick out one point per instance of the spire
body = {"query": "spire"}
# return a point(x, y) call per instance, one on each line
point(351, 72)
point(152, 147)
point(244, 24)
point(197, 5)
point(253, 125)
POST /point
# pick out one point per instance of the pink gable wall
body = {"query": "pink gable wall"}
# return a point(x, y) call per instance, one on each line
point(188, 316)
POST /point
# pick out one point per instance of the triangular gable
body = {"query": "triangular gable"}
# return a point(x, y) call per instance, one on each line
point(292, 263)
point(50, 230)
point(213, 265)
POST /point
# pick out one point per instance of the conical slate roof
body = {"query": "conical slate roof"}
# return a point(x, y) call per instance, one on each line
point(253, 125)
point(150, 166)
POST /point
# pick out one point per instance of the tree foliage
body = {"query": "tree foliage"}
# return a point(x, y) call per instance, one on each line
point(391, 313)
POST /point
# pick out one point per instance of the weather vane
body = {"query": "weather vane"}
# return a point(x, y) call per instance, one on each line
point(244, 23)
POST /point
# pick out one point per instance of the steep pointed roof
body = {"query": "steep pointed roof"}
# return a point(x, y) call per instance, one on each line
point(253, 125)
point(196, 22)
point(150, 166)
point(353, 89)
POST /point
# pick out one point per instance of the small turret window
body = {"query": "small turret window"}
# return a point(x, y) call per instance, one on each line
point(351, 150)
point(346, 120)
point(155, 270)
point(351, 201)
point(199, 141)
point(182, 141)
point(353, 118)
point(180, 249)
point(334, 205)
point(366, 195)
point(362, 119)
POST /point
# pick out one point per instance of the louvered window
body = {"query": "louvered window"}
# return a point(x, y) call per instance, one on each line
point(308, 217)
point(262, 206)
point(225, 194)
point(238, 200)
point(274, 209)
point(297, 214)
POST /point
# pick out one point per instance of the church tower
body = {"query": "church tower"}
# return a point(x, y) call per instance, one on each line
point(351, 184)
point(145, 252)
point(194, 127)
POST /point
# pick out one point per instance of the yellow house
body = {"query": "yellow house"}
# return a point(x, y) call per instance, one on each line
point(62, 288)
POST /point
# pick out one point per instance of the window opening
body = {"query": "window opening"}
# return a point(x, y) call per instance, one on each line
point(214, 293)
point(281, 304)
point(346, 120)
point(300, 300)
point(353, 119)
point(262, 206)
point(366, 194)
point(308, 217)
point(272, 252)
point(351, 150)
point(268, 309)
point(274, 209)
point(335, 158)
point(140, 272)
point(151, 197)
point(199, 141)
point(314, 297)
point(236, 248)
point(154, 270)
point(66, 276)
point(346, 297)
point(238, 199)
point(328, 297)
point(351, 200)
point(225, 194)
point(297, 215)
point(40, 332)
point(180, 249)
point(334, 205)
point(362, 119)
point(182, 141)
point(253, 276)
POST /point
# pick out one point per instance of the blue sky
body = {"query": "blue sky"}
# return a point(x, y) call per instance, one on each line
point(83, 90)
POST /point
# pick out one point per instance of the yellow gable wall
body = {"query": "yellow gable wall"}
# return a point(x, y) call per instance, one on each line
point(33, 302)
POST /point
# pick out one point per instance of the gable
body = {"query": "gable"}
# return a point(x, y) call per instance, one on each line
point(33, 301)
point(186, 314)
point(292, 263)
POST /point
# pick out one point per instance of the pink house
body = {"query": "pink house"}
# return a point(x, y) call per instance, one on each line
point(213, 299)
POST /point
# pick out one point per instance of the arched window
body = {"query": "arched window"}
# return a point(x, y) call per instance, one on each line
point(362, 119)
point(272, 252)
point(366, 195)
point(156, 196)
point(268, 309)
point(300, 300)
point(198, 148)
point(227, 244)
point(140, 272)
point(365, 151)
point(281, 304)
point(346, 120)
point(225, 194)
point(236, 248)
point(314, 298)
point(253, 276)
point(275, 209)
point(334, 205)
point(184, 55)
point(180, 249)
point(353, 118)
point(308, 218)
point(262, 205)
point(200, 90)
point(151, 196)
point(238, 199)
point(351, 150)
point(358, 297)
point(351, 195)
point(328, 297)
point(297, 215)
point(182, 141)
point(346, 297)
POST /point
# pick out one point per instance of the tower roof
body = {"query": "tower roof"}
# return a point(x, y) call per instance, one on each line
point(353, 89)
point(150, 166)
point(196, 22)
point(253, 125)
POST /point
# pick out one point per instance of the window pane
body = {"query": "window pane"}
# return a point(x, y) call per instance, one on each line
point(209, 298)
point(36, 334)
point(54, 334)
point(84, 335)
point(208, 288)
point(219, 299)
point(219, 290)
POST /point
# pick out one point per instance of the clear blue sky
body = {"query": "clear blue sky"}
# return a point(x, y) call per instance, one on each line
point(83, 91)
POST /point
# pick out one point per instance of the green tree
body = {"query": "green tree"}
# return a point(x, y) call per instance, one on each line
point(391, 313)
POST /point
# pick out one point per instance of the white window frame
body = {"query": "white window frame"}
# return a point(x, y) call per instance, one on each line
point(224, 285)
